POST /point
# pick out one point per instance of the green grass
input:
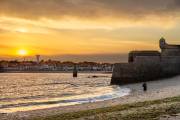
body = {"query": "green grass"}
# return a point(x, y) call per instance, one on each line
point(102, 113)
point(153, 114)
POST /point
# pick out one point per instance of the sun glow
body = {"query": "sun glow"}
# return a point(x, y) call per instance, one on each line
point(22, 30)
point(22, 52)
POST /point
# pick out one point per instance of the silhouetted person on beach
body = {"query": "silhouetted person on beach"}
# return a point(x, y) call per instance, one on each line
point(144, 87)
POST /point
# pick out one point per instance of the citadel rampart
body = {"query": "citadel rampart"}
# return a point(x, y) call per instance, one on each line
point(148, 65)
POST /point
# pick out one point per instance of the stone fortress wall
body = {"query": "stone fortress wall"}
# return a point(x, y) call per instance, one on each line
point(148, 65)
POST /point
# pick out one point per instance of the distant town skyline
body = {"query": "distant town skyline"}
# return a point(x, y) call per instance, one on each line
point(101, 58)
point(79, 30)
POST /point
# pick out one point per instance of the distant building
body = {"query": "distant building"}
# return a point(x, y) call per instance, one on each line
point(38, 59)
point(148, 65)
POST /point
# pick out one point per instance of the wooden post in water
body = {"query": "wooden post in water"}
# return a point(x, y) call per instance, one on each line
point(75, 71)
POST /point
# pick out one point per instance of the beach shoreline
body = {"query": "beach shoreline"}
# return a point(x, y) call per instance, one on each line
point(156, 90)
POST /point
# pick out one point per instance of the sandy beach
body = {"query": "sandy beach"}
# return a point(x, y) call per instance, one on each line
point(156, 90)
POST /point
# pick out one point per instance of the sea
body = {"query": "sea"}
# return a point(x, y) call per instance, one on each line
point(33, 91)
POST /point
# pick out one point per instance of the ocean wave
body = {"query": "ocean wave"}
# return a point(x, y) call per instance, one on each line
point(73, 100)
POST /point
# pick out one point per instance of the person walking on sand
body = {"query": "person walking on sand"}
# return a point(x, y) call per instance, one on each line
point(144, 87)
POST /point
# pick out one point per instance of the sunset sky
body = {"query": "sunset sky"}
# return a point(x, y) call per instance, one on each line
point(85, 28)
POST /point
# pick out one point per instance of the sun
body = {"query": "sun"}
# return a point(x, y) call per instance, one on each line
point(22, 52)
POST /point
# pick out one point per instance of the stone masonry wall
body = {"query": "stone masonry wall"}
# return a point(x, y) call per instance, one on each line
point(133, 72)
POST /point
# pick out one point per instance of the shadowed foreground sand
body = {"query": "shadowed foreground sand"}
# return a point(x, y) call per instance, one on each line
point(156, 90)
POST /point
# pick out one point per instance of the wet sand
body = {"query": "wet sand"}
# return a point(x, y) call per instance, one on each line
point(156, 90)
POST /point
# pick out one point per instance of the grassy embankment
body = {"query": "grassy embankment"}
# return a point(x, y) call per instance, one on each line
point(148, 110)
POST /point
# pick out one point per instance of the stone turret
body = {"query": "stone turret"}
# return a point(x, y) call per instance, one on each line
point(162, 43)
point(169, 49)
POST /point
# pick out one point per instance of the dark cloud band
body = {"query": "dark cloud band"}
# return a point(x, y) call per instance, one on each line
point(88, 8)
